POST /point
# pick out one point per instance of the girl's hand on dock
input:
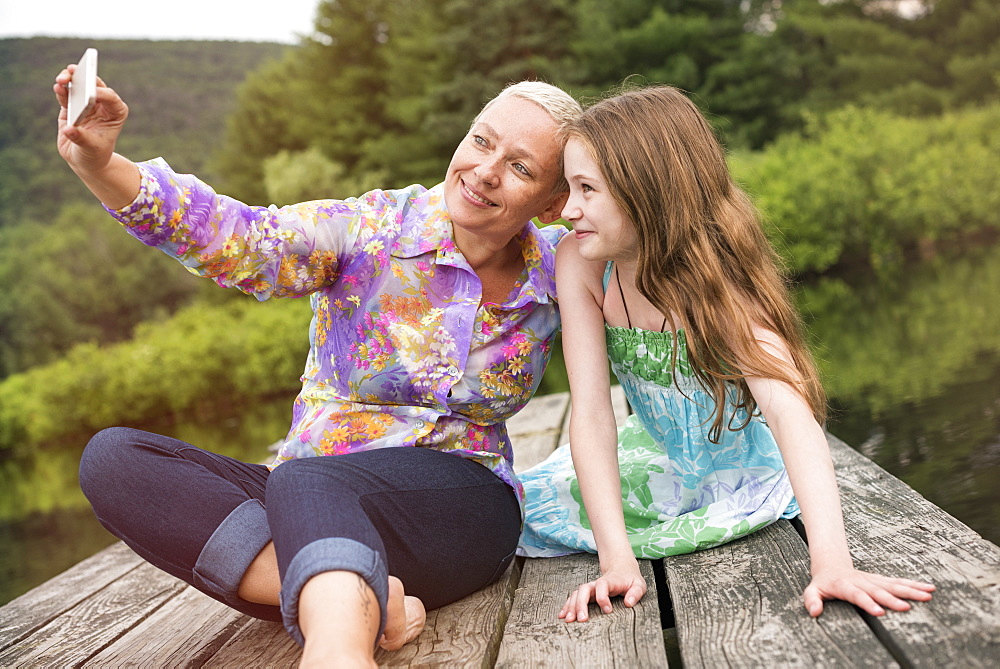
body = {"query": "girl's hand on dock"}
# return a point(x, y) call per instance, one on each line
point(626, 581)
point(872, 593)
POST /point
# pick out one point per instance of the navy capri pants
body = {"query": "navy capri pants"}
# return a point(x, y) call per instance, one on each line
point(444, 525)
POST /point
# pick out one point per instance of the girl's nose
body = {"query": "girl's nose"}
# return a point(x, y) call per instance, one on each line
point(570, 211)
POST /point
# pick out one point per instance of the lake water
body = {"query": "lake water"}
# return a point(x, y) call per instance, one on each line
point(910, 358)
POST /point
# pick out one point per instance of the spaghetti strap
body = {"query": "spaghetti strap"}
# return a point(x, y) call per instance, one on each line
point(663, 325)
point(622, 293)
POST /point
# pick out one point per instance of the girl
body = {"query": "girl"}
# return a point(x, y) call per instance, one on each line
point(670, 271)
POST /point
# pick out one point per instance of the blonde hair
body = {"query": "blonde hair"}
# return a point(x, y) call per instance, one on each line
point(559, 104)
point(702, 252)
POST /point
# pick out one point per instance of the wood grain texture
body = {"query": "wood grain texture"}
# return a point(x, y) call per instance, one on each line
point(39, 606)
point(96, 622)
point(464, 634)
point(740, 605)
point(259, 643)
point(535, 637)
point(894, 531)
point(184, 632)
point(535, 430)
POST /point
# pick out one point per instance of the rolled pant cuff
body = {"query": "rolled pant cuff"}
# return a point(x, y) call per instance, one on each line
point(333, 554)
point(231, 549)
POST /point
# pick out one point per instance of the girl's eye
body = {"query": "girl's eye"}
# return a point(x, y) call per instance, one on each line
point(586, 188)
point(522, 169)
point(479, 140)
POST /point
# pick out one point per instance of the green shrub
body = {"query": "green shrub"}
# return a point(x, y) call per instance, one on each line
point(864, 184)
point(203, 356)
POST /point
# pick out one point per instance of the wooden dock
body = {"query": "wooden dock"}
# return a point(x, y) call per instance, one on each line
point(738, 605)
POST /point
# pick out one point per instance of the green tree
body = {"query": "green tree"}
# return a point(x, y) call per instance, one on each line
point(868, 52)
point(865, 185)
point(722, 52)
point(301, 176)
point(327, 94)
point(81, 278)
point(262, 125)
point(178, 95)
point(389, 88)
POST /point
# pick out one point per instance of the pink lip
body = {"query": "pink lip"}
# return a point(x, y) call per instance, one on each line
point(580, 234)
point(466, 189)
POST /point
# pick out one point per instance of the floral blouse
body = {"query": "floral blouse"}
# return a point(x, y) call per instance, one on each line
point(401, 353)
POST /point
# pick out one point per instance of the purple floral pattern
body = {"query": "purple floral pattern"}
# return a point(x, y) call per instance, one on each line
point(402, 353)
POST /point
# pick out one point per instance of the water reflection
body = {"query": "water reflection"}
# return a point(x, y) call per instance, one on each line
point(46, 525)
point(911, 361)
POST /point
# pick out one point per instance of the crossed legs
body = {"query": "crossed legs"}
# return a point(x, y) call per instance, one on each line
point(334, 530)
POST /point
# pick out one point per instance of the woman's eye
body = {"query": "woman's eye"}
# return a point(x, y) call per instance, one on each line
point(586, 188)
point(481, 141)
point(522, 169)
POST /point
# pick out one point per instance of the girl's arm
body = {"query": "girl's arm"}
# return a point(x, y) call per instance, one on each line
point(807, 459)
point(593, 433)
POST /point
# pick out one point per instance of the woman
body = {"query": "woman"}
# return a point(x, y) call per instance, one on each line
point(433, 320)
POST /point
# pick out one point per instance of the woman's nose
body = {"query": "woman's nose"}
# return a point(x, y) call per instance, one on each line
point(488, 171)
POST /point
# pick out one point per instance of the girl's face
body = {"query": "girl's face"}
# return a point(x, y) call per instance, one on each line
point(601, 228)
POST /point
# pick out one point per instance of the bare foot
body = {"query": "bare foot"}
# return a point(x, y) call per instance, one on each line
point(405, 617)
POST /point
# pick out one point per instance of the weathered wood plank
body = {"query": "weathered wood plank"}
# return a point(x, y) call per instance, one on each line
point(740, 605)
point(257, 644)
point(535, 430)
point(39, 606)
point(184, 632)
point(894, 531)
point(535, 637)
point(96, 622)
point(464, 634)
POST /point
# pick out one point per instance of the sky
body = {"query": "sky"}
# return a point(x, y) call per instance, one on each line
point(255, 20)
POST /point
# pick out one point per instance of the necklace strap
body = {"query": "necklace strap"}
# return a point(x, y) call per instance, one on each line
point(618, 278)
point(622, 293)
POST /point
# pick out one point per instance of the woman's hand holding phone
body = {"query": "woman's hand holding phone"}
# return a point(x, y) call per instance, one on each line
point(89, 146)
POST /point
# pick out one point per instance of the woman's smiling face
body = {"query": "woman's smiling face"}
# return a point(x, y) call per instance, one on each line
point(602, 230)
point(504, 172)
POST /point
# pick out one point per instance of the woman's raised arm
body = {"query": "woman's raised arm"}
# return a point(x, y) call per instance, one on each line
point(89, 148)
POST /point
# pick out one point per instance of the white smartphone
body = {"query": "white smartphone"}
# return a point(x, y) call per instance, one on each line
point(83, 88)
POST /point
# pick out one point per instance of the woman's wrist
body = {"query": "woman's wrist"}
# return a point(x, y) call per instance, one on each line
point(116, 185)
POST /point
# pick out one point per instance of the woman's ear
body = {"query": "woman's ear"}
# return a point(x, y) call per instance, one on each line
point(553, 212)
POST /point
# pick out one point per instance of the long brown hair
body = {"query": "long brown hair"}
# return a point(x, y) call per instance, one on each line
point(702, 252)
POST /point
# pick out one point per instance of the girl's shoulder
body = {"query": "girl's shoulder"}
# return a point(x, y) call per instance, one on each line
point(575, 274)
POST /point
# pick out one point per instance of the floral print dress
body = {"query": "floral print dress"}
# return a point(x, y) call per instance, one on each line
point(402, 353)
point(680, 491)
